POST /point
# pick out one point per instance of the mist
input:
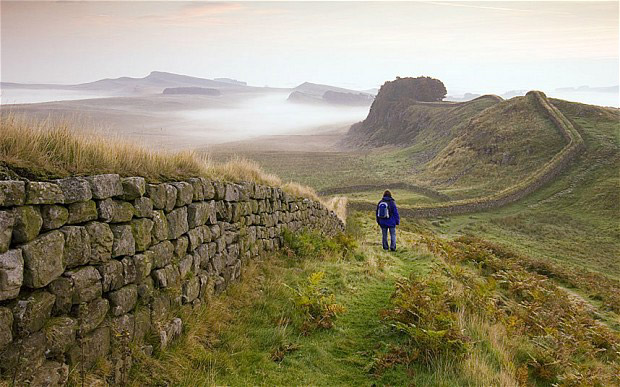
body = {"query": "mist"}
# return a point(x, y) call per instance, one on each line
point(269, 114)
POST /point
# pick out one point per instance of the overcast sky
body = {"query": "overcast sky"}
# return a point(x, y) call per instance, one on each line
point(471, 46)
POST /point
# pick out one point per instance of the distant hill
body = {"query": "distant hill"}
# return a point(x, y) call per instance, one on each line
point(191, 90)
point(155, 82)
point(318, 89)
point(316, 93)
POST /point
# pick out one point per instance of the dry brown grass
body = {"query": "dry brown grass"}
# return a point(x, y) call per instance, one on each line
point(45, 150)
point(338, 204)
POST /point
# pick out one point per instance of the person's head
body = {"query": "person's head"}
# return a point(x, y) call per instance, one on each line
point(387, 193)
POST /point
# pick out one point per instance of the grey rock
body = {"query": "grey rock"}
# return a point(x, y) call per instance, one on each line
point(206, 233)
point(30, 313)
point(39, 192)
point(6, 327)
point(185, 193)
point(43, 259)
point(105, 186)
point(77, 246)
point(146, 288)
point(142, 323)
point(115, 211)
point(87, 284)
point(82, 212)
point(160, 307)
point(196, 238)
point(133, 187)
point(169, 332)
point(62, 288)
point(185, 266)
point(12, 193)
point(231, 193)
point(122, 326)
point(208, 189)
point(197, 214)
point(101, 241)
point(11, 274)
point(171, 197)
point(198, 188)
point(90, 314)
point(143, 264)
point(129, 270)
point(124, 244)
point(143, 207)
point(60, 334)
point(90, 348)
point(142, 230)
point(111, 275)
point(180, 246)
point(54, 216)
point(28, 222)
point(123, 300)
point(162, 254)
point(191, 290)
point(159, 278)
point(7, 220)
point(75, 189)
point(160, 229)
point(157, 193)
point(24, 355)
point(220, 190)
point(50, 374)
point(177, 222)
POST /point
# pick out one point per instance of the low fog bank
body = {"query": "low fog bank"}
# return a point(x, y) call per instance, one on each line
point(17, 96)
point(269, 114)
point(181, 122)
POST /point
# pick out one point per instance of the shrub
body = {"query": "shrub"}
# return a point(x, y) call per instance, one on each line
point(316, 303)
point(426, 312)
point(312, 244)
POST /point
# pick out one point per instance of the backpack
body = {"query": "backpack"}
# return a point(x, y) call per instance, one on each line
point(383, 211)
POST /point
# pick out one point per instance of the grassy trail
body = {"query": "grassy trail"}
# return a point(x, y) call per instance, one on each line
point(250, 334)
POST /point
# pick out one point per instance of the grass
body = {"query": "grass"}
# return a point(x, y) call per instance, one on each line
point(252, 334)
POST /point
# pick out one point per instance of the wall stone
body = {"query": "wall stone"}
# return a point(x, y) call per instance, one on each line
point(87, 264)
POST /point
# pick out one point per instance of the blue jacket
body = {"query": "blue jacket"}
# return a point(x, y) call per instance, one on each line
point(394, 219)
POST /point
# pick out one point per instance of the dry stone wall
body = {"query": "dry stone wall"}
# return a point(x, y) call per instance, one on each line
point(90, 266)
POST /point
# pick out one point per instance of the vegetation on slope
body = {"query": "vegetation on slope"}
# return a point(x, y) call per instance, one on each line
point(497, 148)
point(494, 322)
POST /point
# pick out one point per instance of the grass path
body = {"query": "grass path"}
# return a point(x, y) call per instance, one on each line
point(233, 341)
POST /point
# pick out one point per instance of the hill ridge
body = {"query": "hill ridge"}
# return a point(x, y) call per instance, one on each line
point(545, 174)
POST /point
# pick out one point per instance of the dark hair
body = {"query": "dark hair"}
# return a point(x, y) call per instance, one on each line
point(387, 193)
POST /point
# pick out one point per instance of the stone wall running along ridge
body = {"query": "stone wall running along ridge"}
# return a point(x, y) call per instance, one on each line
point(91, 265)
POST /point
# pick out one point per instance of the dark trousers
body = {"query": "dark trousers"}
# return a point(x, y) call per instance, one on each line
point(384, 231)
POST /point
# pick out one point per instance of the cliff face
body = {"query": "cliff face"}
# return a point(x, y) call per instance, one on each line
point(406, 121)
point(91, 265)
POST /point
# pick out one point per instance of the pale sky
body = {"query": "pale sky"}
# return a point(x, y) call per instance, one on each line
point(472, 46)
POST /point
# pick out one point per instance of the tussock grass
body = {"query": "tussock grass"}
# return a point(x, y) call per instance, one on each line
point(338, 204)
point(45, 150)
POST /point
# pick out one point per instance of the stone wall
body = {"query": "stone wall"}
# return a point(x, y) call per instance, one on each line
point(90, 266)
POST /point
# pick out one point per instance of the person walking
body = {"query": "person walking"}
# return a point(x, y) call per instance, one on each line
point(388, 219)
